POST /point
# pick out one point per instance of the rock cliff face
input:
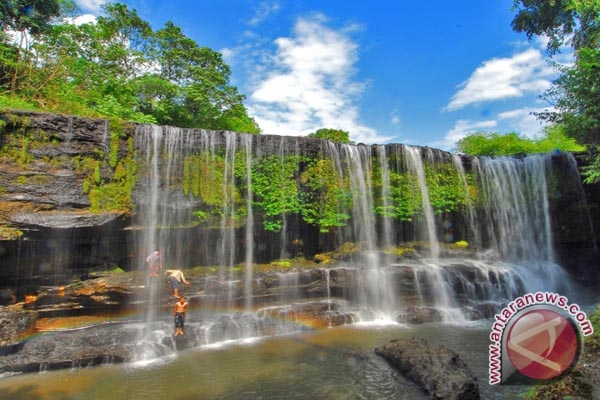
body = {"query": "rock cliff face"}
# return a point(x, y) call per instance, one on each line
point(47, 229)
point(52, 227)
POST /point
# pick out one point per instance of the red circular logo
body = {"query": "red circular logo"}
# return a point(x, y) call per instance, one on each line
point(542, 344)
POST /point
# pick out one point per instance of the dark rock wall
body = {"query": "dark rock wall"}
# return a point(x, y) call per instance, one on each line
point(48, 234)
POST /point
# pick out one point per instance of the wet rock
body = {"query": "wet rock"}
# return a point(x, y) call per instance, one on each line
point(182, 342)
point(14, 324)
point(69, 349)
point(439, 371)
point(482, 310)
point(315, 314)
point(420, 315)
point(81, 298)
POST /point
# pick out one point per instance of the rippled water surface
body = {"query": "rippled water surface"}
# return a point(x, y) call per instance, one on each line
point(336, 363)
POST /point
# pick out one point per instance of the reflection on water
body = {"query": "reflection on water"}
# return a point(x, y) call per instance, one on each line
point(336, 363)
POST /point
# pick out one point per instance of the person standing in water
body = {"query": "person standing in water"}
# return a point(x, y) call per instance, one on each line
point(180, 312)
point(154, 262)
point(175, 277)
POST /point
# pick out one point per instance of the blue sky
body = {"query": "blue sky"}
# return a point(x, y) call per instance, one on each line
point(414, 72)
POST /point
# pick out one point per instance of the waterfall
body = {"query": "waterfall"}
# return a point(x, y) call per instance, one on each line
point(387, 230)
point(471, 215)
point(415, 165)
point(515, 217)
point(249, 223)
point(375, 291)
point(212, 176)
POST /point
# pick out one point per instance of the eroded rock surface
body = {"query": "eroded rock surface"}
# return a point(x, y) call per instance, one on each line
point(439, 371)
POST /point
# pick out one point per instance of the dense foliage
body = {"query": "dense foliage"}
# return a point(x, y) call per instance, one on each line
point(335, 135)
point(575, 95)
point(313, 189)
point(115, 67)
point(496, 144)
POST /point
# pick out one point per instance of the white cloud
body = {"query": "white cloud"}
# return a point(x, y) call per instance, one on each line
point(262, 11)
point(228, 54)
point(503, 78)
point(522, 122)
point(93, 6)
point(309, 83)
point(83, 19)
point(461, 129)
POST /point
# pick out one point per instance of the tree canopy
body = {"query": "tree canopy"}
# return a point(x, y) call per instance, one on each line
point(558, 20)
point(117, 66)
point(575, 94)
point(496, 144)
point(335, 135)
point(31, 16)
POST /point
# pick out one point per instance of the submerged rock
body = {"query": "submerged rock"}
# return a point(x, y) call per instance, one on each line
point(439, 371)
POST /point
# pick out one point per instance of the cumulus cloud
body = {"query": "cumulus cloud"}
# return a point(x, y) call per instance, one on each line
point(309, 83)
point(523, 122)
point(504, 78)
point(461, 129)
point(93, 6)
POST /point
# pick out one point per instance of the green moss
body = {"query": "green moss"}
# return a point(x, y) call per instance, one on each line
point(110, 189)
point(400, 251)
point(22, 180)
point(282, 263)
point(462, 244)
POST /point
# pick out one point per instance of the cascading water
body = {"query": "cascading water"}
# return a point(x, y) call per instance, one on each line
point(518, 222)
point(415, 165)
point(247, 142)
point(374, 290)
point(198, 203)
point(387, 230)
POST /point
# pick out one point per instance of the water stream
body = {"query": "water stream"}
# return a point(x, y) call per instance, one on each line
point(336, 363)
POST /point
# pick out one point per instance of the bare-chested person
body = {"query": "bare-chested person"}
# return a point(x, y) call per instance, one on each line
point(180, 312)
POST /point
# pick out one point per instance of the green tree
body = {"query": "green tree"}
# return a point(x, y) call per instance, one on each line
point(117, 67)
point(28, 16)
point(558, 19)
point(191, 87)
point(20, 22)
point(496, 144)
point(335, 135)
point(575, 94)
point(493, 144)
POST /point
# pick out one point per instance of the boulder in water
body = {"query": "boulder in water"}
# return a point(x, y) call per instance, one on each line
point(439, 371)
